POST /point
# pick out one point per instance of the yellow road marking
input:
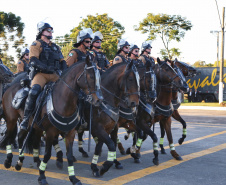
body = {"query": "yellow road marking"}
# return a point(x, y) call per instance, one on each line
point(147, 171)
point(52, 175)
point(166, 147)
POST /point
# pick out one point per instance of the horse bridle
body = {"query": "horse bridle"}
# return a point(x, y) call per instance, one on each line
point(171, 84)
point(148, 92)
point(97, 83)
point(126, 94)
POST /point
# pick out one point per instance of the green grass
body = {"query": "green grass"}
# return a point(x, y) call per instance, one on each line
point(215, 104)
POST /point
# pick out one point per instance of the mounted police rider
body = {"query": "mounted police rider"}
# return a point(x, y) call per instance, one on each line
point(100, 57)
point(47, 63)
point(123, 50)
point(145, 53)
point(23, 63)
point(83, 44)
point(134, 54)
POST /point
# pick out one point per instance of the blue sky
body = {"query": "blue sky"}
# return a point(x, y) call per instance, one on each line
point(198, 44)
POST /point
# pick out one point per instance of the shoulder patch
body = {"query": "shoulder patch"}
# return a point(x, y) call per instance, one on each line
point(71, 54)
point(116, 59)
point(34, 44)
point(19, 62)
point(92, 52)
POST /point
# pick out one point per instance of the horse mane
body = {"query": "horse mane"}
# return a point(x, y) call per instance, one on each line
point(112, 68)
point(70, 68)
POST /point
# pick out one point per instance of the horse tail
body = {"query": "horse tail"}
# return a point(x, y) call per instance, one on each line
point(5, 140)
point(29, 144)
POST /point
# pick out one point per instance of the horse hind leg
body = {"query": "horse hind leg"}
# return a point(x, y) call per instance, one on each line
point(94, 168)
point(80, 144)
point(59, 153)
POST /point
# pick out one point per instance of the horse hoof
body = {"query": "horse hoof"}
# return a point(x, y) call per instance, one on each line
point(163, 151)
point(7, 164)
point(42, 182)
point(138, 155)
point(77, 183)
point(128, 151)
point(155, 162)
point(179, 158)
point(137, 160)
point(123, 152)
point(180, 141)
point(59, 165)
point(96, 174)
point(18, 167)
point(74, 159)
point(85, 155)
point(118, 166)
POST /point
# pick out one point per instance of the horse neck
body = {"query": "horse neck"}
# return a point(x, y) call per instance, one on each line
point(64, 99)
point(164, 96)
point(174, 95)
point(111, 84)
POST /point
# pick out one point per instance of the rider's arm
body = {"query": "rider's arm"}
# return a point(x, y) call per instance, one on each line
point(71, 58)
point(142, 59)
point(20, 66)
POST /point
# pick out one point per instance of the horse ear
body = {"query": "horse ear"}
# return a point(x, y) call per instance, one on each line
point(159, 61)
point(87, 59)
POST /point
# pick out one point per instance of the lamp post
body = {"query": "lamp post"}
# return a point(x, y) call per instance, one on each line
point(217, 32)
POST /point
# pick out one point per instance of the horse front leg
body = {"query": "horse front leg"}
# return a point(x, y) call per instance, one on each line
point(177, 117)
point(96, 155)
point(69, 140)
point(59, 153)
point(162, 130)
point(114, 137)
point(167, 126)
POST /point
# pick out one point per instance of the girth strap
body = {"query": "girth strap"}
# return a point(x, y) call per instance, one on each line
point(164, 110)
point(127, 113)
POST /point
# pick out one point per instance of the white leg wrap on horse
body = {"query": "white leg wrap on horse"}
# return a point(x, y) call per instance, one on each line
point(35, 153)
point(118, 140)
point(184, 131)
point(133, 149)
point(57, 148)
point(8, 149)
point(22, 155)
point(155, 146)
point(111, 156)
point(20, 163)
point(71, 170)
point(80, 144)
point(96, 140)
point(43, 166)
point(172, 146)
point(161, 140)
point(95, 159)
point(139, 142)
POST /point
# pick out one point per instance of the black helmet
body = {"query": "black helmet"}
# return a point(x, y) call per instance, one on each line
point(132, 47)
point(122, 43)
point(24, 51)
point(41, 26)
point(97, 36)
point(145, 45)
point(86, 33)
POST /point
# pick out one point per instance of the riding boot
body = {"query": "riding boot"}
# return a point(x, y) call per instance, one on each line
point(29, 105)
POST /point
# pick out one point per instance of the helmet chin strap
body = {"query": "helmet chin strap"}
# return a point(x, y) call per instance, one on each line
point(48, 37)
point(98, 47)
point(86, 47)
point(126, 52)
point(135, 55)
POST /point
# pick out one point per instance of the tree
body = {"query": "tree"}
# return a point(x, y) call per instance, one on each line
point(167, 27)
point(111, 30)
point(174, 53)
point(11, 30)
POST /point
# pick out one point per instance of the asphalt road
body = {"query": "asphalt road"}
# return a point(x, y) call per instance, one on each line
point(203, 153)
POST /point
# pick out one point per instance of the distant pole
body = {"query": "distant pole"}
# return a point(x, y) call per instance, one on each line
point(222, 61)
point(217, 49)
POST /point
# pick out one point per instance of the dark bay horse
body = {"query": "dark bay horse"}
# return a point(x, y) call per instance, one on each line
point(167, 78)
point(187, 71)
point(119, 83)
point(62, 106)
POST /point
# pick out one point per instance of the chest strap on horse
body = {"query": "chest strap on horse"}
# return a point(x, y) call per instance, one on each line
point(62, 123)
point(149, 108)
point(127, 113)
point(176, 103)
point(113, 112)
point(164, 110)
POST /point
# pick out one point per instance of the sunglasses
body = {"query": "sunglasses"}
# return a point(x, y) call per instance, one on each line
point(136, 51)
point(127, 47)
point(49, 30)
point(98, 42)
point(87, 41)
point(27, 54)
